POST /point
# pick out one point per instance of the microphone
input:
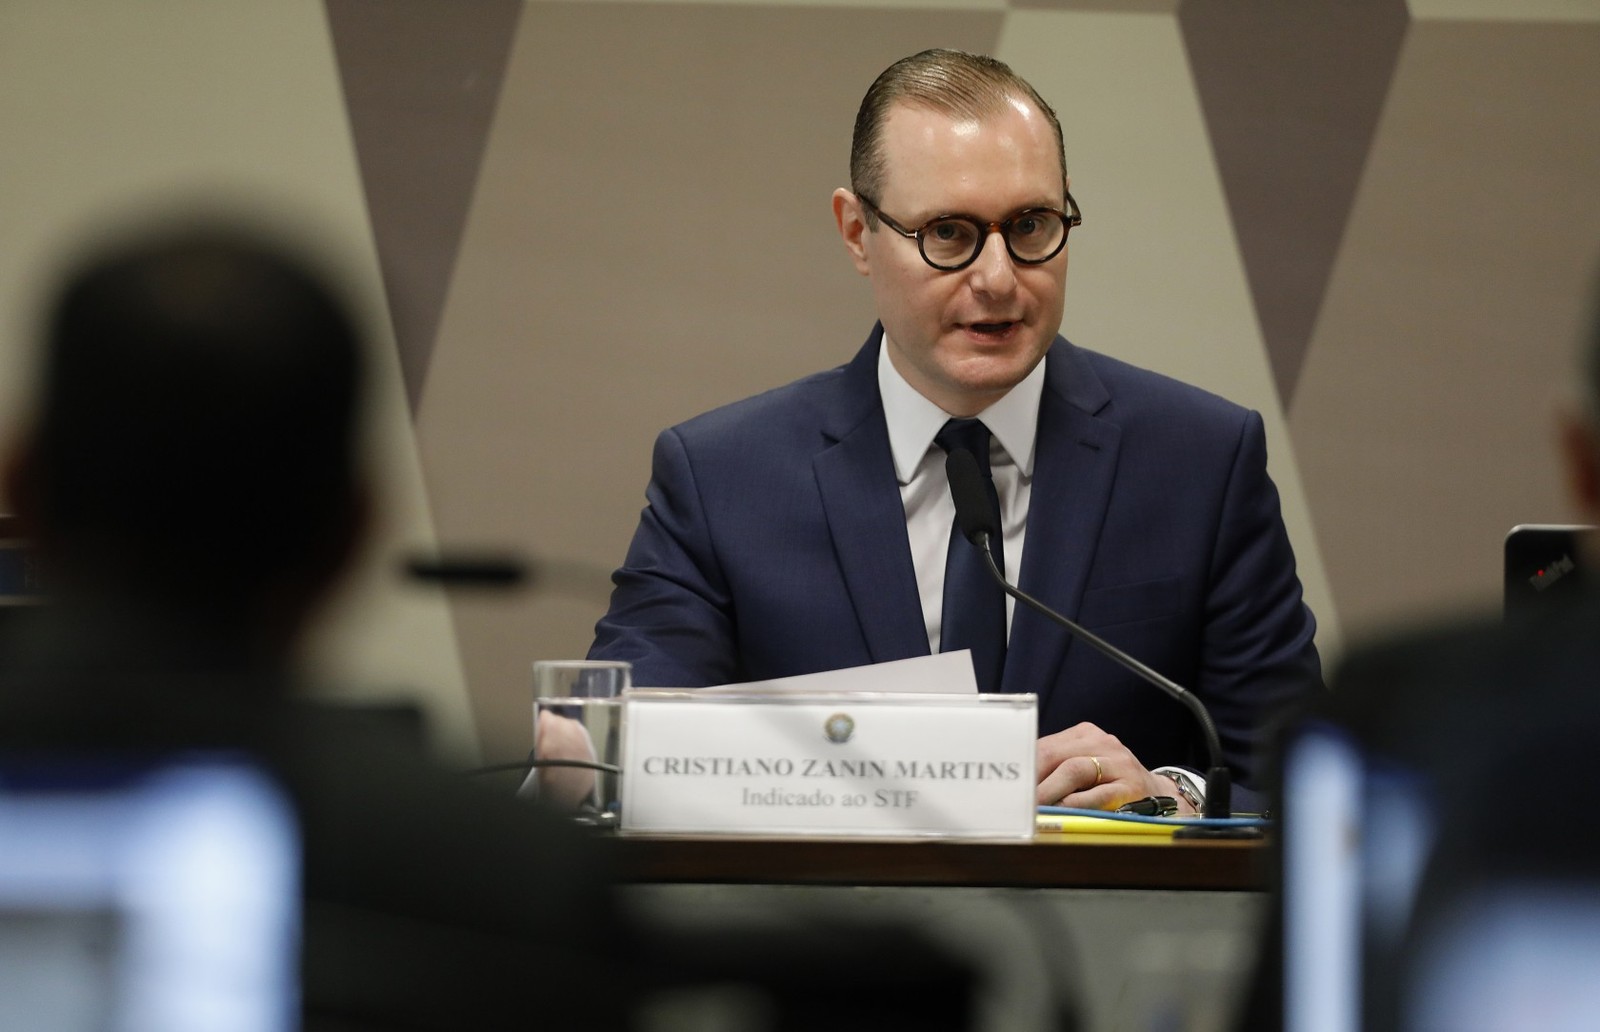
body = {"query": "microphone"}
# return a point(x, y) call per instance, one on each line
point(503, 569)
point(979, 522)
point(476, 570)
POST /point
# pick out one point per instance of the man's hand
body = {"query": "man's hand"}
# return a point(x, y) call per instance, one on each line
point(1085, 767)
point(562, 738)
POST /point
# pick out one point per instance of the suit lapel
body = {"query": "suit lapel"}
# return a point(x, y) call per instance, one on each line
point(1075, 463)
point(856, 479)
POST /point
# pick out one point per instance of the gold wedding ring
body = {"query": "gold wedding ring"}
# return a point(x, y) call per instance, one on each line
point(1099, 772)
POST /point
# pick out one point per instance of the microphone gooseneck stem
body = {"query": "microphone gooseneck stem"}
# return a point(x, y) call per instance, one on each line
point(1219, 780)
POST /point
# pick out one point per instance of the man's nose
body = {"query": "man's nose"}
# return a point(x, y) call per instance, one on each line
point(993, 271)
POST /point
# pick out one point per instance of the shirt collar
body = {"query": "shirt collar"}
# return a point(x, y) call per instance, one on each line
point(914, 420)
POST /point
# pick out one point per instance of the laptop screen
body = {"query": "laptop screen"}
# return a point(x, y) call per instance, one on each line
point(1381, 930)
point(1543, 565)
point(1357, 837)
point(144, 898)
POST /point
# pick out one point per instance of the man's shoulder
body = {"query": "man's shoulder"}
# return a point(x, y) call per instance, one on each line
point(1404, 681)
point(802, 400)
point(1135, 389)
point(829, 403)
point(1156, 410)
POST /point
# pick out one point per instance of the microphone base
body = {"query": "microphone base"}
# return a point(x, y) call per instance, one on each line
point(1211, 832)
point(1219, 792)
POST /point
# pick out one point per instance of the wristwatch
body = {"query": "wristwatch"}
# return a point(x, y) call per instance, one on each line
point(1192, 791)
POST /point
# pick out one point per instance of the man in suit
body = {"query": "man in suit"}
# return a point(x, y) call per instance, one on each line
point(809, 528)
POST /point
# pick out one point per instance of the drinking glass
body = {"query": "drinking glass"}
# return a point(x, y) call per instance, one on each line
point(576, 745)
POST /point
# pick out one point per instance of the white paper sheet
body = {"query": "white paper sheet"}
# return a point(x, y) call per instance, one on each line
point(939, 674)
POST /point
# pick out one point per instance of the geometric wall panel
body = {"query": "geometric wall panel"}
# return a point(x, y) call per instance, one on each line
point(1292, 93)
point(421, 79)
point(1525, 11)
point(1423, 421)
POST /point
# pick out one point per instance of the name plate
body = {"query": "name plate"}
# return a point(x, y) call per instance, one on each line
point(829, 764)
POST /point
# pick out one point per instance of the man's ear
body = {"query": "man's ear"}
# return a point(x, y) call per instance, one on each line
point(1580, 458)
point(852, 222)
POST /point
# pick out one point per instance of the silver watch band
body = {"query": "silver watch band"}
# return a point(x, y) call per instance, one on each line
point(1192, 791)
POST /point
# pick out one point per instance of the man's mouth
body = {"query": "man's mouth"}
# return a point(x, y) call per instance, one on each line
point(991, 329)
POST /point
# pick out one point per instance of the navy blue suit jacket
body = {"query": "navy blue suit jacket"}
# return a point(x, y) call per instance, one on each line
point(774, 543)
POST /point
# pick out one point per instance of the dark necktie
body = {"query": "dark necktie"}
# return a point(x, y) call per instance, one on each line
point(974, 612)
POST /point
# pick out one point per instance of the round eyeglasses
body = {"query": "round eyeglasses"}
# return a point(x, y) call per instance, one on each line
point(949, 243)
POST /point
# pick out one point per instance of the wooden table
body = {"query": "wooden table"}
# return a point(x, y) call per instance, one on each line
point(1053, 861)
point(1133, 928)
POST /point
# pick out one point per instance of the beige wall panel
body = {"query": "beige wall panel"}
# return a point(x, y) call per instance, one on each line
point(1423, 418)
point(119, 112)
point(881, 5)
point(651, 237)
point(1156, 278)
point(1507, 10)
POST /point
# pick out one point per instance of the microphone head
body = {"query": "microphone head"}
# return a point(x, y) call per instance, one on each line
point(974, 514)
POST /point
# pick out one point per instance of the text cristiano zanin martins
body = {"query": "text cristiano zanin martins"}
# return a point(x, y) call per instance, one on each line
point(899, 772)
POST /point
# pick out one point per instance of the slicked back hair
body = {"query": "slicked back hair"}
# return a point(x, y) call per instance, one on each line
point(953, 82)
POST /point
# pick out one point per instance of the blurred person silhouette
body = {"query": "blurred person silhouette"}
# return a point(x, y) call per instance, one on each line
point(191, 481)
point(1474, 865)
point(1498, 718)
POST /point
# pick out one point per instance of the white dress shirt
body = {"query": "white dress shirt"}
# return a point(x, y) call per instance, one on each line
point(913, 420)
